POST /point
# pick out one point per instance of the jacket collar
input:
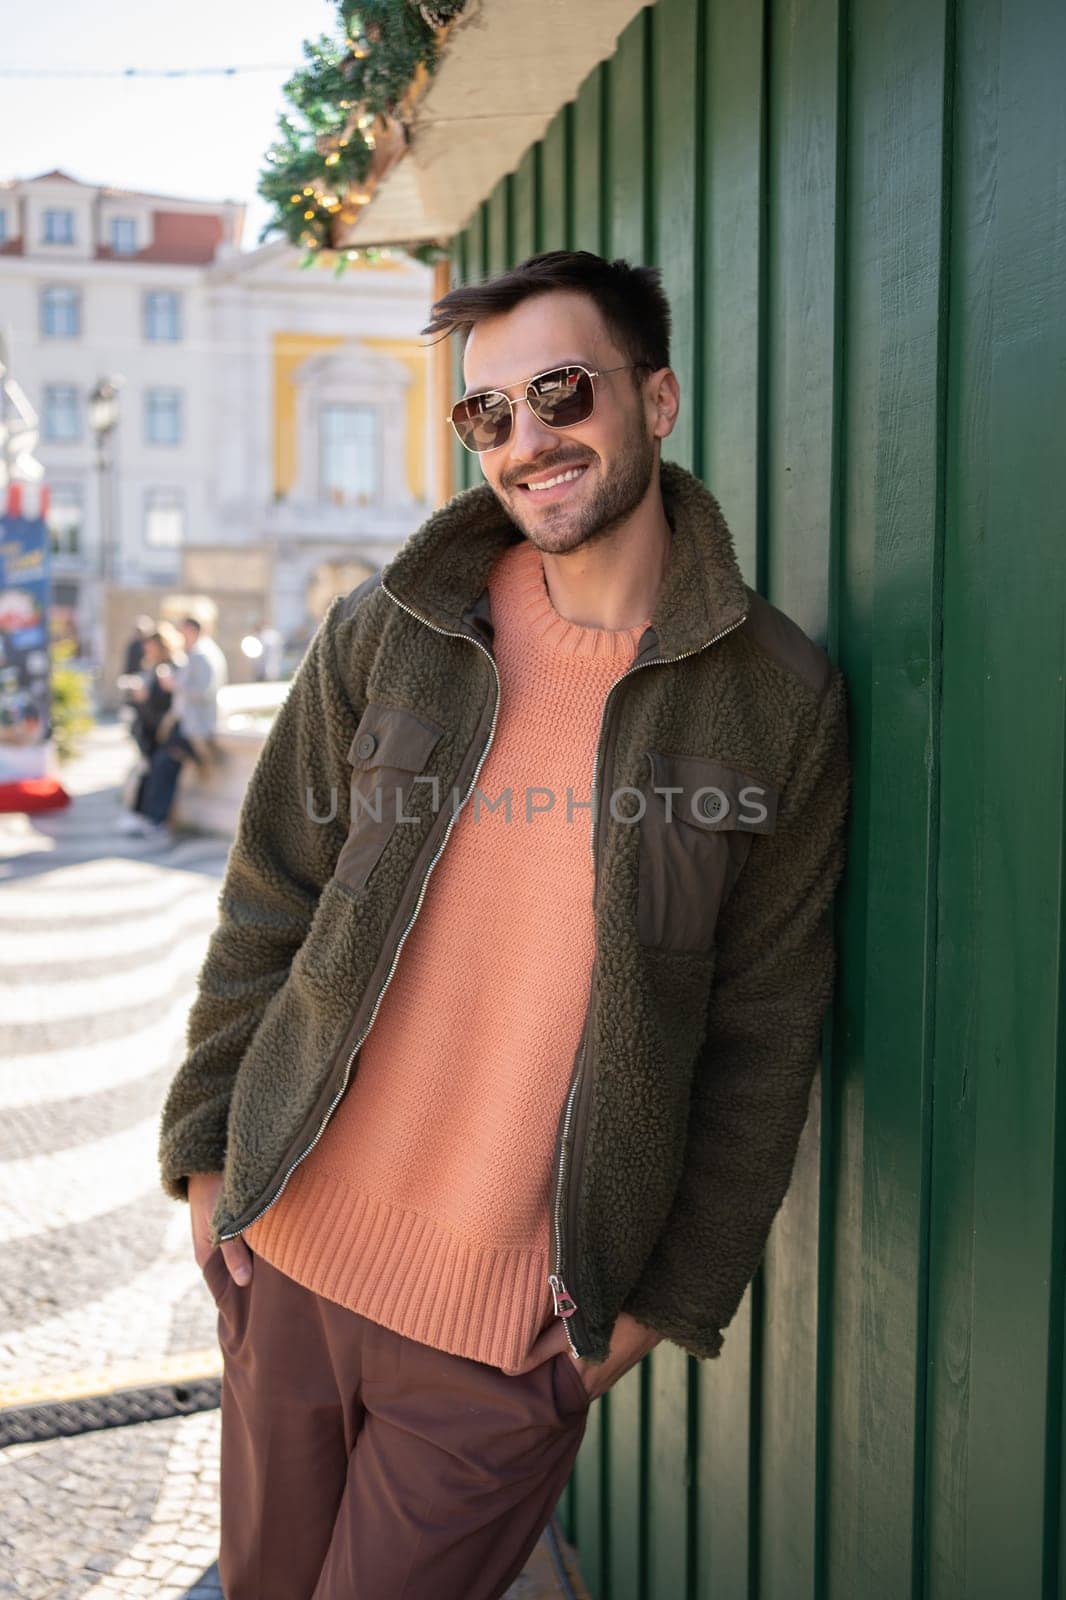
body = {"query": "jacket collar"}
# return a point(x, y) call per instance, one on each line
point(442, 569)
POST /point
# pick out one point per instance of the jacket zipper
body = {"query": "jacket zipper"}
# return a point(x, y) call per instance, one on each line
point(451, 634)
point(564, 1303)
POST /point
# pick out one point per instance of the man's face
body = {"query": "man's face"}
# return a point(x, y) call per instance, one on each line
point(616, 449)
point(190, 635)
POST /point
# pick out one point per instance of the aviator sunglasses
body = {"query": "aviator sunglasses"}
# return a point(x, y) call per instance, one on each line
point(560, 398)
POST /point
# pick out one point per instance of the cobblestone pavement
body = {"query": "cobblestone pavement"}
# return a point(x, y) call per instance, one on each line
point(101, 937)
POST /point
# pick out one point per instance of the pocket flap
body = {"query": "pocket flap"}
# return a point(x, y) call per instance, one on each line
point(393, 736)
point(709, 794)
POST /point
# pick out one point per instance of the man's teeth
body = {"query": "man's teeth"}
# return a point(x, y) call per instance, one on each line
point(550, 483)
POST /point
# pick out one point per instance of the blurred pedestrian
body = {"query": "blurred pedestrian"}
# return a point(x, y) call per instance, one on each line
point(186, 732)
point(142, 629)
point(152, 696)
point(134, 657)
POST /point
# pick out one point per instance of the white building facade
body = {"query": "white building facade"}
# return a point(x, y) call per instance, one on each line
point(268, 414)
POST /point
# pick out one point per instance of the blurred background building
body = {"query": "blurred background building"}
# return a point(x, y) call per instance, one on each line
point(212, 421)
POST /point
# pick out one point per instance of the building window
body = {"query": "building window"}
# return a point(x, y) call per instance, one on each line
point(162, 314)
point(66, 513)
point(348, 436)
point(62, 413)
point(164, 518)
point(58, 227)
point(123, 236)
point(60, 313)
point(162, 416)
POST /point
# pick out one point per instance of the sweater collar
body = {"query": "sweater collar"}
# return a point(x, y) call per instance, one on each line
point(441, 571)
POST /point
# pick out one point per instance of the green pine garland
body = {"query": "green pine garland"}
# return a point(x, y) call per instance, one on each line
point(325, 146)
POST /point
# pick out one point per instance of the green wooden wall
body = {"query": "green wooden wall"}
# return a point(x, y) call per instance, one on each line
point(860, 212)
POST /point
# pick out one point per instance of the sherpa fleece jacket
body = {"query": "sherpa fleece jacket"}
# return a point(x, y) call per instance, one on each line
point(719, 792)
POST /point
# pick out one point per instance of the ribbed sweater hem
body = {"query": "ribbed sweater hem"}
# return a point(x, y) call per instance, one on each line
point(406, 1271)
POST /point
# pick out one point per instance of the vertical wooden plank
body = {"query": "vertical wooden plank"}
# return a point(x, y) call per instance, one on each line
point(556, 178)
point(626, 140)
point(675, 25)
point(441, 360)
point(525, 195)
point(624, 122)
point(460, 269)
point(803, 191)
point(732, 200)
point(675, 44)
point(587, 166)
point(580, 140)
point(478, 268)
point(626, 118)
point(498, 210)
point(802, 364)
point(895, 251)
point(996, 1219)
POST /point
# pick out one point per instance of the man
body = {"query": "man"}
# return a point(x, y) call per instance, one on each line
point(187, 731)
point(492, 1086)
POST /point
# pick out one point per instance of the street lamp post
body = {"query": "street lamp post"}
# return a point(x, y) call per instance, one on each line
point(103, 420)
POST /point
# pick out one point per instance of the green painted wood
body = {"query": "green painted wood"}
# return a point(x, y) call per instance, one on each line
point(675, 216)
point(498, 210)
point(993, 1439)
point(675, 44)
point(626, 137)
point(588, 184)
point(555, 183)
point(582, 1505)
point(477, 254)
point(626, 141)
point(731, 197)
point(895, 244)
point(525, 196)
point(461, 273)
point(623, 1546)
point(861, 223)
point(801, 341)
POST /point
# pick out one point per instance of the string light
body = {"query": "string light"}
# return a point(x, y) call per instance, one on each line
point(363, 69)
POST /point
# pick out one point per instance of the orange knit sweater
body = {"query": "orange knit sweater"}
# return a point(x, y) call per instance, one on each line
point(425, 1205)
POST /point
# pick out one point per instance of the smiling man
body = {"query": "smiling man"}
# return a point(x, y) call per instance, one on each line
point(502, 1048)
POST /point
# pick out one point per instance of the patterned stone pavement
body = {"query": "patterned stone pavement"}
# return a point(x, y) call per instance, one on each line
point(101, 938)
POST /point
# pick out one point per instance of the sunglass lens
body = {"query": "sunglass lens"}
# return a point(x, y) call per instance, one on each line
point(563, 397)
point(483, 421)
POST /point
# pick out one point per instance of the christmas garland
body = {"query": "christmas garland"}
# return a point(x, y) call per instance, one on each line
point(349, 127)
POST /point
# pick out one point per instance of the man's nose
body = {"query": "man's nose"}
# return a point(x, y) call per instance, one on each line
point(529, 436)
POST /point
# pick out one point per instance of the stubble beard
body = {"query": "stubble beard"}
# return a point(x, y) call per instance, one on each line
point(615, 498)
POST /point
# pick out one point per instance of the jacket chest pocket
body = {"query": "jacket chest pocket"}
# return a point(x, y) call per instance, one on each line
point(695, 834)
point(388, 754)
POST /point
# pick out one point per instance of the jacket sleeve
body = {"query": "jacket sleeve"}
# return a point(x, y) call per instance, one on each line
point(773, 981)
point(282, 856)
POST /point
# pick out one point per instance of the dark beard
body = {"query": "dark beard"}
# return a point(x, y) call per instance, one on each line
point(599, 514)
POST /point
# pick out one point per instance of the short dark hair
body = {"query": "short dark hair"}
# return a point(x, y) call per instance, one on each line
point(630, 299)
point(192, 622)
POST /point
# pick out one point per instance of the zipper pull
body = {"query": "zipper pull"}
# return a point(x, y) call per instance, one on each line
point(564, 1306)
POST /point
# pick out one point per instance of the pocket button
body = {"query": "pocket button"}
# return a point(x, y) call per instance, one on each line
point(365, 746)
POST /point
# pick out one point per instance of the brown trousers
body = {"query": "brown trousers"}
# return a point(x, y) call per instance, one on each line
point(357, 1464)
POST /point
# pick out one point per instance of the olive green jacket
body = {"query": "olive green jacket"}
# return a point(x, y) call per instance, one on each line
point(719, 799)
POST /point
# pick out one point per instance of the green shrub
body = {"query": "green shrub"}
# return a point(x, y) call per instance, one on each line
point(71, 703)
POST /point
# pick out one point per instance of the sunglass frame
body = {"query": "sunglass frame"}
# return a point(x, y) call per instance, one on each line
point(571, 366)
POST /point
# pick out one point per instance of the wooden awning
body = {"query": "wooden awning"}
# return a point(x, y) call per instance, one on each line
point(507, 66)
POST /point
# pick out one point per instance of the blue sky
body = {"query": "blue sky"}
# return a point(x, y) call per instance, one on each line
point(201, 137)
